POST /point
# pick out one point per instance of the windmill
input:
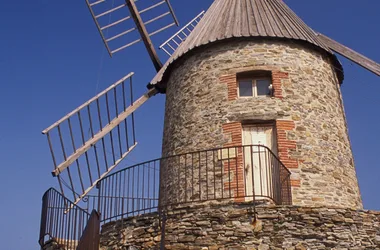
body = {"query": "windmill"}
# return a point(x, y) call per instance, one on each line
point(110, 115)
point(115, 97)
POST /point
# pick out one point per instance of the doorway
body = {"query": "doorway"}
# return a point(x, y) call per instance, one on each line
point(258, 160)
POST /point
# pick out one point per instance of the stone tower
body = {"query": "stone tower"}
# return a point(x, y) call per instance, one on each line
point(252, 67)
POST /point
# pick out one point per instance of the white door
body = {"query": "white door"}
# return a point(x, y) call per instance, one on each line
point(257, 160)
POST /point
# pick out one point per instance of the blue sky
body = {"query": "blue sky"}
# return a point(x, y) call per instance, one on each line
point(52, 59)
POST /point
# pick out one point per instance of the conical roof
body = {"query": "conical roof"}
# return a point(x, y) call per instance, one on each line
point(245, 18)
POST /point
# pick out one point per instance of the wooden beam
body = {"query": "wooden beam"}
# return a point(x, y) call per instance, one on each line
point(350, 54)
point(101, 134)
point(144, 34)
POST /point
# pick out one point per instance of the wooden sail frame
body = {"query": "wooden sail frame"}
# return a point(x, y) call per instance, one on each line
point(107, 145)
point(350, 54)
point(171, 45)
point(140, 25)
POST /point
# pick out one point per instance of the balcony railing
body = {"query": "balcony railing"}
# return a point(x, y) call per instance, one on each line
point(241, 174)
point(251, 174)
point(62, 222)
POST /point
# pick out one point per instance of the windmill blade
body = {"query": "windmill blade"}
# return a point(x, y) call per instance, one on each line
point(170, 45)
point(350, 54)
point(119, 33)
point(144, 34)
point(81, 159)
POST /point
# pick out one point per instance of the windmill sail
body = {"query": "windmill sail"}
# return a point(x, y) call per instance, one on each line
point(118, 20)
point(89, 142)
point(171, 45)
point(350, 54)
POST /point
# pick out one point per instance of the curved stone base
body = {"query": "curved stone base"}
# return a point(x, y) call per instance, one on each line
point(233, 226)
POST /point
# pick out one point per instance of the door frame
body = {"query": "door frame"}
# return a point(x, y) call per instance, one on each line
point(273, 147)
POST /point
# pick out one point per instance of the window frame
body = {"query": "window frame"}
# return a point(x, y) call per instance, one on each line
point(253, 80)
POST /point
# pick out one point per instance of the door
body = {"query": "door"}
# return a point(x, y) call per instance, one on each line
point(257, 160)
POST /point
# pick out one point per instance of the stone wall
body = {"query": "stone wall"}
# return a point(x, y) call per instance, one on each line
point(57, 244)
point(307, 107)
point(232, 226)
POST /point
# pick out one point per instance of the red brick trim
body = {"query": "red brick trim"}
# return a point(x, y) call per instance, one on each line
point(230, 80)
point(234, 167)
point(277, 79)
point(285, 146)
point(233, 130)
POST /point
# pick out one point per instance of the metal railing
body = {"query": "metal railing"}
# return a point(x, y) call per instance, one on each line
point(252, 174)
point(62, 222)
point(241, 174)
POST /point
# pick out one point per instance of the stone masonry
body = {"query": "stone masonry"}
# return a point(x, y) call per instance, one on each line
point(306, 108)
point(233, 226)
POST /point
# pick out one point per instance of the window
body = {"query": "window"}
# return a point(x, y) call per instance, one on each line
point(254, 83)
point(255, 87)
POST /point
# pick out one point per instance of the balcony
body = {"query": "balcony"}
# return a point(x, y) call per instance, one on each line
point(243, 174)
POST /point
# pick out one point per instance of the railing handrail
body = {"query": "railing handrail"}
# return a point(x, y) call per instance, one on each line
point(243, 173)
point(66, 200)
point(122, 193)
point(189, 153)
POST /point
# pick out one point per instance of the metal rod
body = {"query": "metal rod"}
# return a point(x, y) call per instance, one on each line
point(237, 174)
point(229, 172)
point(253, 176)
point(199, 180)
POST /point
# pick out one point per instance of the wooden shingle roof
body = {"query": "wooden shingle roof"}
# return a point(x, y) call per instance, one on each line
point(245, 18)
